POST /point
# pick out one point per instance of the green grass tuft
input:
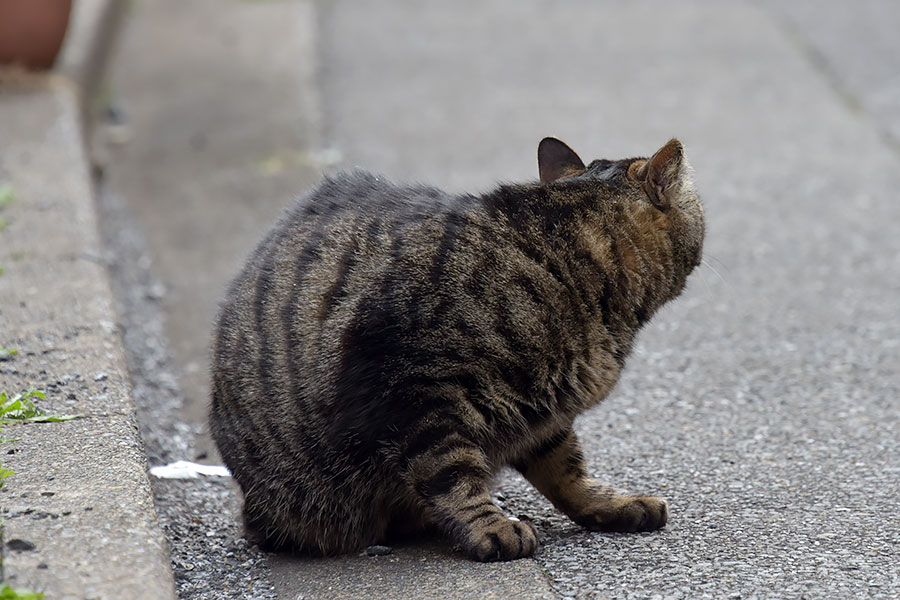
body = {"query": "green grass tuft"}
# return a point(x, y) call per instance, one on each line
point(7, 195)
point(21, 409)
point(8, 593)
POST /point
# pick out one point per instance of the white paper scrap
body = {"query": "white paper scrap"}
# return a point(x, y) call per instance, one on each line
point(184, 469)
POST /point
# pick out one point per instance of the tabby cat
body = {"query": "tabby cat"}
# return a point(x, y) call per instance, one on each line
point(386, 349)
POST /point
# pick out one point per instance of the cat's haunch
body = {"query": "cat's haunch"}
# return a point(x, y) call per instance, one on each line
point(386, 349)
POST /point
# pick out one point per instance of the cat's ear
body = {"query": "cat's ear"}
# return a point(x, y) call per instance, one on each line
point(557, 161)
point(664, 175)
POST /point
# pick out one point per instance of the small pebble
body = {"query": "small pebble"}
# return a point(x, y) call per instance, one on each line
point(20, 545)
point(378, 550)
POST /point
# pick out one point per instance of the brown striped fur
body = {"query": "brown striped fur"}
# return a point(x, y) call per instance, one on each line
point(386, 349)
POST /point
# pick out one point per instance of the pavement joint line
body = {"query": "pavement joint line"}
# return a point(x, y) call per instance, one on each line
point(823, 67)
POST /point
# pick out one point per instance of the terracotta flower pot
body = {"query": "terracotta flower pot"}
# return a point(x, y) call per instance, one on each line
point(32, 31)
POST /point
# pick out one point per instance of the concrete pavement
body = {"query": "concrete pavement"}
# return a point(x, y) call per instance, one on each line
point(78, 517)
point(762, 404)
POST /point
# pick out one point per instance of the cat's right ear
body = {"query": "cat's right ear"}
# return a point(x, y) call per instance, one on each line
point(557, 161)
point(664, 175)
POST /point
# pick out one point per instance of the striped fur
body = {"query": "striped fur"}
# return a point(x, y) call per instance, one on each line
point(386, 349)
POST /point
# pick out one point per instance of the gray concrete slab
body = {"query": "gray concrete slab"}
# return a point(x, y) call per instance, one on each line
point(90, 39)
point(80, 495)
point(856, 48)
point(414, 571)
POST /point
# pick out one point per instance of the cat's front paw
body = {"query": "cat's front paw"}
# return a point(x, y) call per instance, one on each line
point(503, 540)
point(627, 514)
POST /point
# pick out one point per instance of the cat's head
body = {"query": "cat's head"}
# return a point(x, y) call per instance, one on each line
point(660, 185)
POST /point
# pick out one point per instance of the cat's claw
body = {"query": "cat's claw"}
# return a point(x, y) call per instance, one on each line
point(505, 540)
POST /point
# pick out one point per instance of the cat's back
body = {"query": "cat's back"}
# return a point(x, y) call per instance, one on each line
point(347, 220)
point(361, 196)
point(335, 249)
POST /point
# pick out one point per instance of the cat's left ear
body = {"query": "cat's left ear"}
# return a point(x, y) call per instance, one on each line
point(557, 161)
point(664, 175)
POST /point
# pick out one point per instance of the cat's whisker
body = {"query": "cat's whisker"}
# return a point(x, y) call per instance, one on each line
point(701, 276)
point(706, 264)
point(722, 264)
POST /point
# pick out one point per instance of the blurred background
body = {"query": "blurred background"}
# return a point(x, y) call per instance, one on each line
point(759, 403)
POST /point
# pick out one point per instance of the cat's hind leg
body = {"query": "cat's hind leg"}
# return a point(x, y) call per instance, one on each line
point(556, 469)
point(321, 519)
point(451, 477)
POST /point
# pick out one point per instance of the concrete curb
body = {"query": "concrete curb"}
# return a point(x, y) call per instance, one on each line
point(80, 501)
point(93, 31)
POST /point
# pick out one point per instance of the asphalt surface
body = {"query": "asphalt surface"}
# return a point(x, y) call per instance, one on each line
point(763, 404)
